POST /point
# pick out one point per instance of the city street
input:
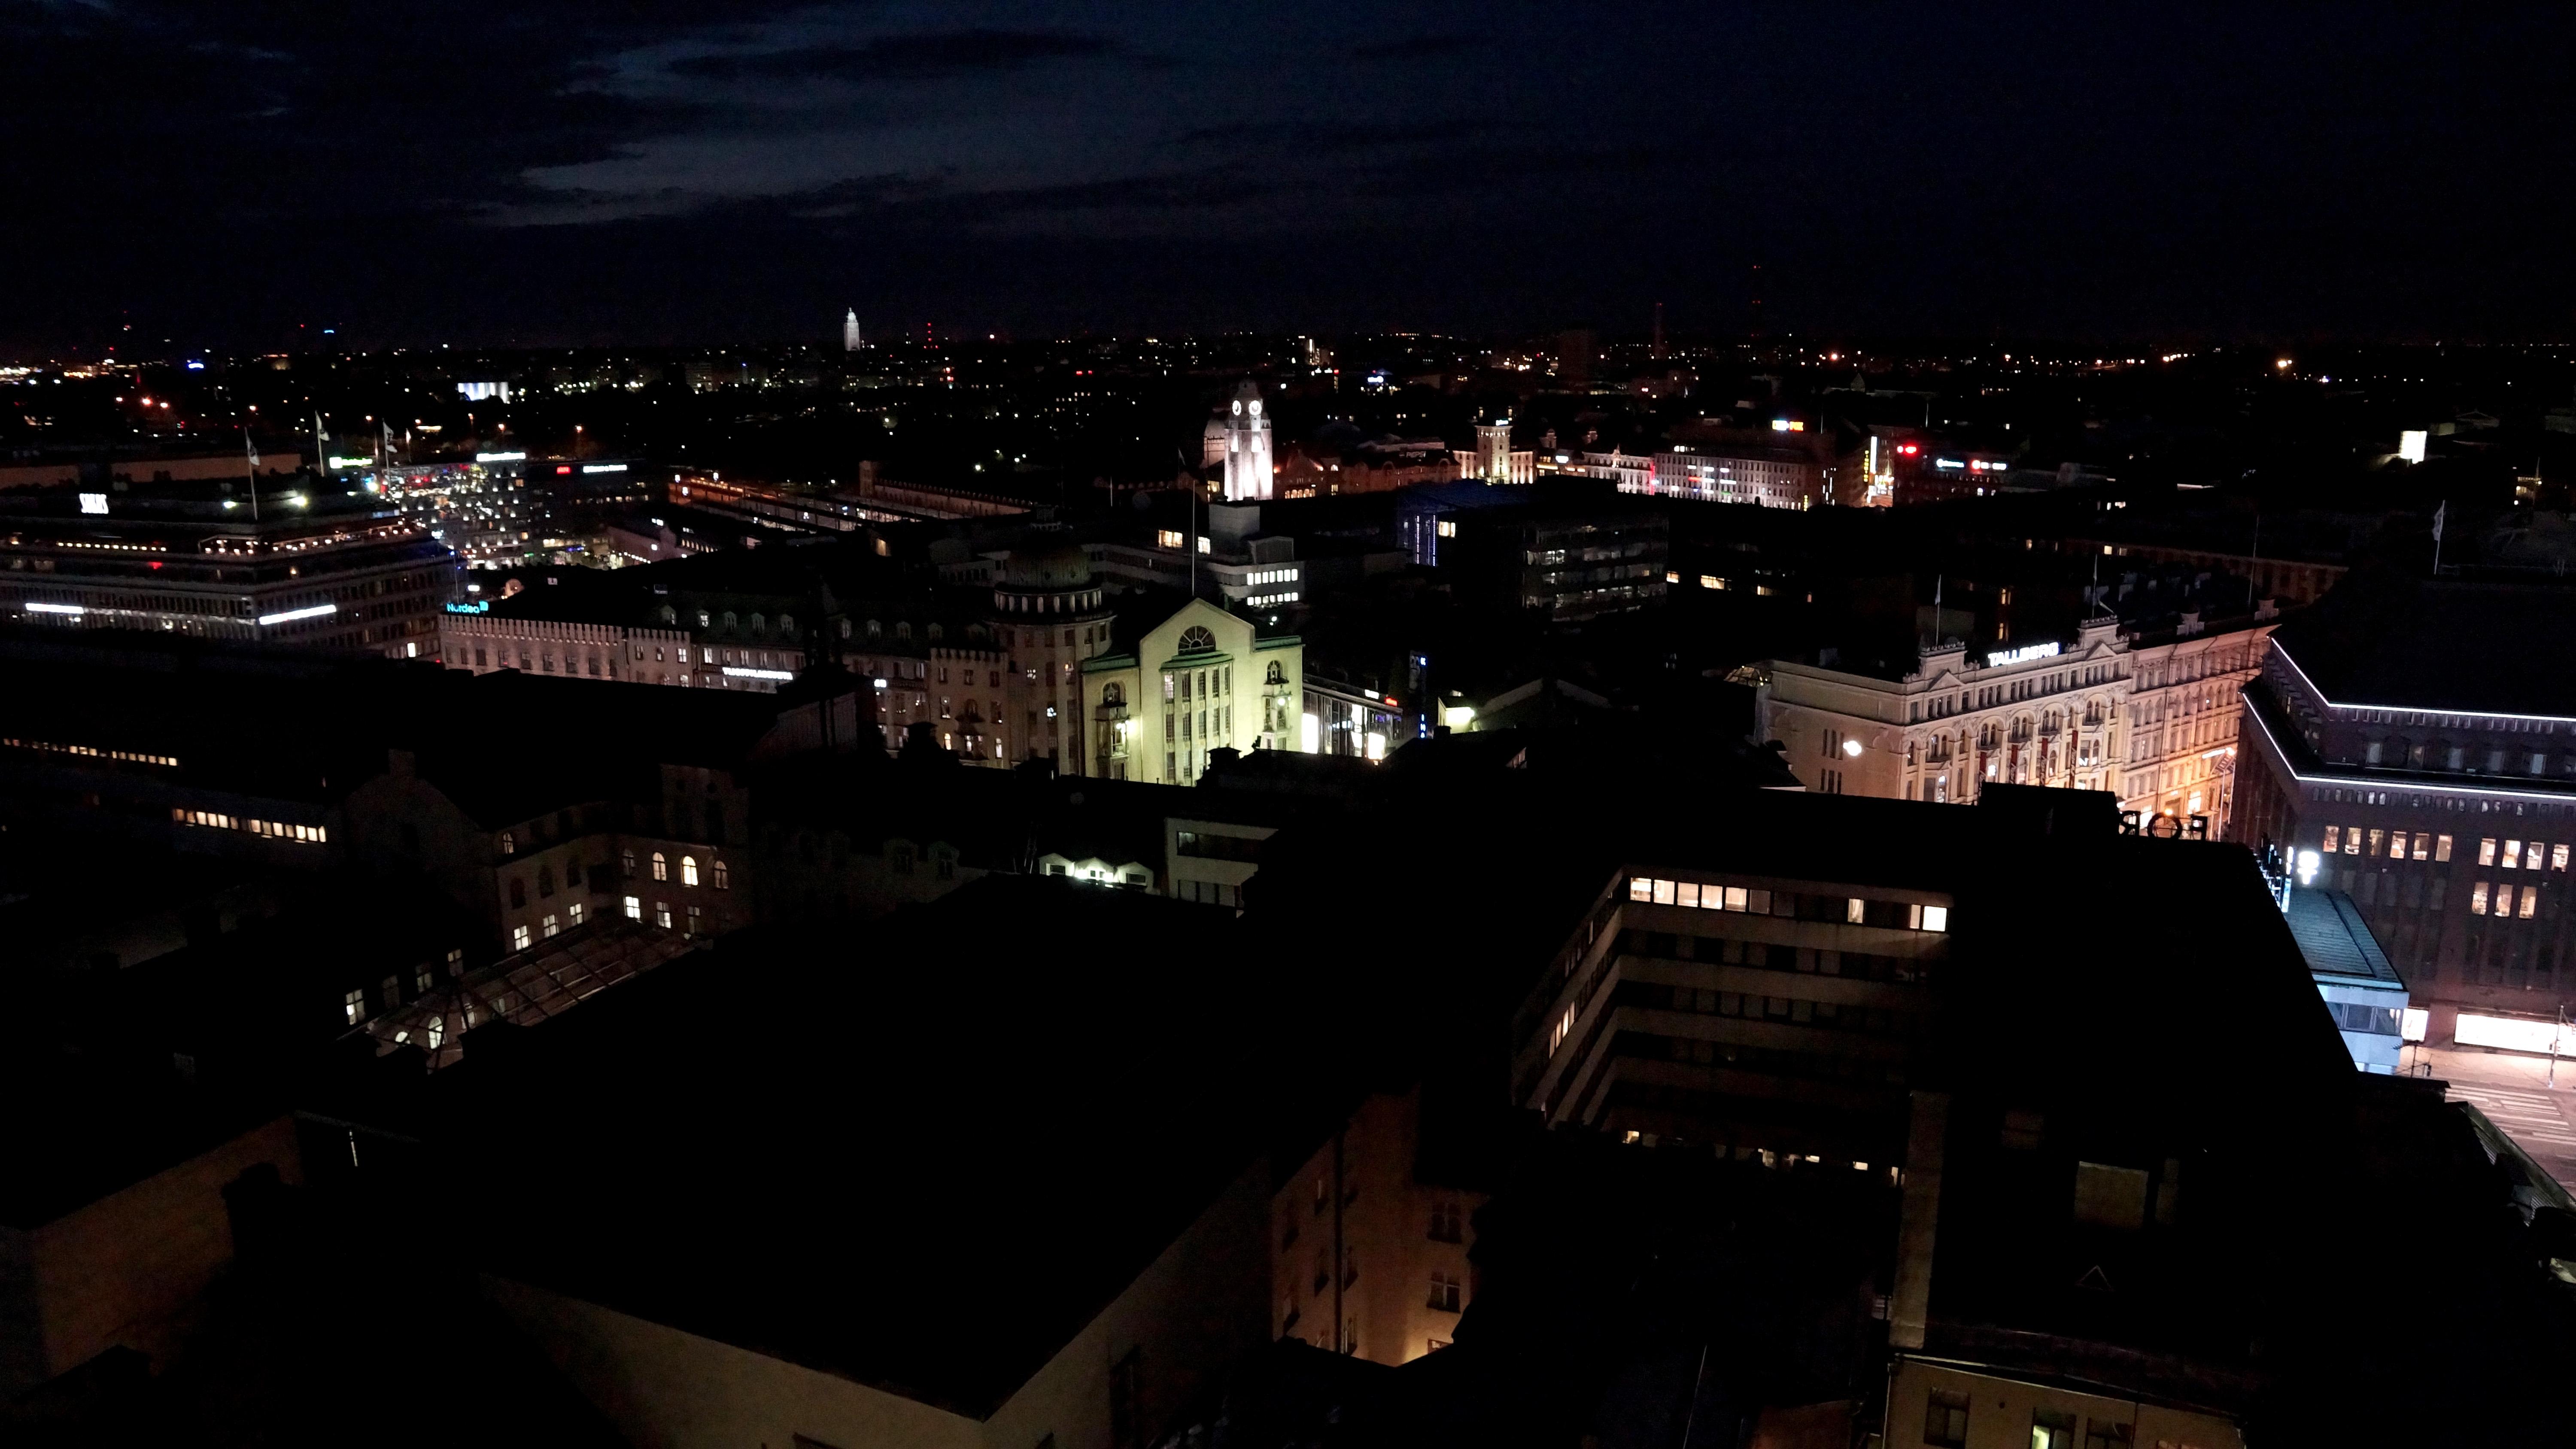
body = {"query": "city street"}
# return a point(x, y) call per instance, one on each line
point(2512, 1090)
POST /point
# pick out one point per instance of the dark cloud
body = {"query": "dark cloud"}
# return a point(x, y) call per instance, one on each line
point(1414, 47)
point(922, 56)
point(221, 171)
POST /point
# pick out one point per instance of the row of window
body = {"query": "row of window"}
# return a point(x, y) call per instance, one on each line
point(1816, 1066)
point(1945, 1426)
point(718, 875)
point(1794, 1010)
point(93, 752)
point(2423, 845)
point(353, 1005)
point(2506, 901)
point(1852, 910)
point(272, 829)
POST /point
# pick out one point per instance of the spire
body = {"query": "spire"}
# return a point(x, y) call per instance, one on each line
point(851, 341)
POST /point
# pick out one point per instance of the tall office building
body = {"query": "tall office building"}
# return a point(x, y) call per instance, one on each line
point(1247, 448)
point(850, 339)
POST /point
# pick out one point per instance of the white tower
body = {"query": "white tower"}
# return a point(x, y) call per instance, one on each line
point(850, 339)
point(1247, 448)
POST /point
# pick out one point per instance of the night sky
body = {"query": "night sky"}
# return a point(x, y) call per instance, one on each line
point(572, 171)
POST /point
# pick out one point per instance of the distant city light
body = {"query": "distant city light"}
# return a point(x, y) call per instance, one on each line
point(601, 468)
point(56, 609)
point(733, 671)
point(500, 457)
point(93, 503)
point(314, 611)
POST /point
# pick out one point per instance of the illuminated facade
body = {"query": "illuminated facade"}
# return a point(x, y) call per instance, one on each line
point(1247, 448)
point(1201, 680)
point(2030, 714)
point(1492, 459)
point(1370, 1242)
point(1019, 697)
point(2449, 826)
point(2150, 718)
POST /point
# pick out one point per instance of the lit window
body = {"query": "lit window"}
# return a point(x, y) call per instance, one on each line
point(509, 843)
point(2423, 845)
point(1663, 892)
point(573, 912)
point(1686, 893)
point(626, 864)
point(1855, 910)
point(1448, 528)
point(1931, 918)
point(2441, 848)
point(1735, 898)
point(2486, 851)
point(723, 877)
point(2530, 901)
point(2478, 898)
point(355, 1004)
point(688, 870)
point(2557, 857)
point(661, 867)
point(694, 923)
point(1557, 1034)
point(1641, 888)
point(662, 914)
point(2513, 855)
point(553, 927)
point(634, 908)
point(518, 938)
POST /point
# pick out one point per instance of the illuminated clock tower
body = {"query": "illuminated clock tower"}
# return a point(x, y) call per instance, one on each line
point(1247, 448)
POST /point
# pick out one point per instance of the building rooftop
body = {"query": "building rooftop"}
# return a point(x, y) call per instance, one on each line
point(2421, 644)
point(981, 1125)
point(2335, 939)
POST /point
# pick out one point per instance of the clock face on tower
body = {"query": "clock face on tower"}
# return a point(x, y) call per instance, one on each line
point(1238, 406)
point(1256, 409)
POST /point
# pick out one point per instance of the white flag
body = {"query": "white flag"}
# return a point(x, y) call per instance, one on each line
point(2437, 519)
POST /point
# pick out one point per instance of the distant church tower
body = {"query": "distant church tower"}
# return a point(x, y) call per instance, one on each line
point(1247, 448)
point(850, 339)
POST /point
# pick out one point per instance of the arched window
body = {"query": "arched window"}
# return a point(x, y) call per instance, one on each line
point(1197, 640)
point(730, 626)
point(723, 878)
point(1278, 673)
point(688, 870)
point(935, 633)
point(845, 628)
point(903, 628)
point(518, 891)
point(787, 626)
point(669, 614)
point(509, 843)
point(545, 880)
point(702, 618)
point(626, 864)
point(661, 867)
point(876, 629)
point(1113, 695)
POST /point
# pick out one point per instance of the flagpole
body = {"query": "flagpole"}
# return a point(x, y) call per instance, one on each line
point(250, 460)
point(2437, 536)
